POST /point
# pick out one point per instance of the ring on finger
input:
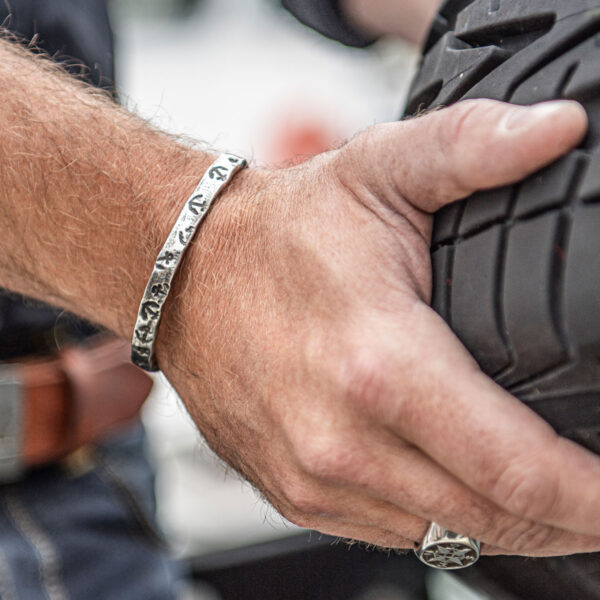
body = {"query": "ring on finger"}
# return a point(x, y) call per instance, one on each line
point(443, 549)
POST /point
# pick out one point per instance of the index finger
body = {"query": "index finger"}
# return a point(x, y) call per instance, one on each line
point(490, 440)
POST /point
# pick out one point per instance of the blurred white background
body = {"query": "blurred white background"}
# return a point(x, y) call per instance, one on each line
point(244, 76)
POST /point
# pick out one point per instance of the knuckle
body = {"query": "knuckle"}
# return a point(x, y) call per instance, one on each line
point(460, 118)
point(524, 537)
point(301, 503)
point(363, 380)
point(528, 489)
point(367, 382)
point(328, 458)
point(298, 517)
point(456, 140)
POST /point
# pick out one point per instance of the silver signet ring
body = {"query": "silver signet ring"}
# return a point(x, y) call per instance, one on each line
point(443, 549)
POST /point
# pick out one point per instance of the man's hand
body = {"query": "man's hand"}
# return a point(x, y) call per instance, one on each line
point(409, 19)
point(298, 331)
point(307, 353)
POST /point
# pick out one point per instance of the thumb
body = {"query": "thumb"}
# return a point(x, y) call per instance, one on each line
point(477, 144)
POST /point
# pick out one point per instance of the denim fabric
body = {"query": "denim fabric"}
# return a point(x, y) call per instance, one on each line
point(85, 529)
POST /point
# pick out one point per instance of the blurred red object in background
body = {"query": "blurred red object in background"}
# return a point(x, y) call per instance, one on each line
point(297, 138)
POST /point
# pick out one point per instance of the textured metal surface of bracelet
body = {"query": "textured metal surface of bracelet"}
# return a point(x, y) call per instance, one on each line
point(219, 174)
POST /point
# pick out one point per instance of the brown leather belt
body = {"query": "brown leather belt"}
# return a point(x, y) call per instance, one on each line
point(50, 408)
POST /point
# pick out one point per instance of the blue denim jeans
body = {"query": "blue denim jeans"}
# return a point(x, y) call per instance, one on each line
point(84, 529)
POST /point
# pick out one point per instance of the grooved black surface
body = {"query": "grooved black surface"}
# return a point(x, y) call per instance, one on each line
point(483, 209)
point(517, 269)
point(442, 265)
point(508, 263)
point(447, 223)
point(583, 303)
point(590, 189)
point(550, 187)
point(475, 269)
point(527, 301)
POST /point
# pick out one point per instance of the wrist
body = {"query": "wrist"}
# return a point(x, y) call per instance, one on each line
point(158, 192)
point(200, 287)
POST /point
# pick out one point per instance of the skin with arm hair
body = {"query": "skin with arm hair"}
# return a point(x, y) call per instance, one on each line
point(409, 19)
point(298, 332)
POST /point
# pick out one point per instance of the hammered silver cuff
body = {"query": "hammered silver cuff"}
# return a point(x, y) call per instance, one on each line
point(196, 208)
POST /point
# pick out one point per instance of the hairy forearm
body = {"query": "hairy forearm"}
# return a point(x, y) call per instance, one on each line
point(89, 192)
point(407, 18)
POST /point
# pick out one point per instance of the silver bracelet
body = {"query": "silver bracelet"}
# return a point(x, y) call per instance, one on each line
point(212, 183)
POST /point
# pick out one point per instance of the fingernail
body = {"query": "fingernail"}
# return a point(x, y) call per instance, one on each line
point(525, 117)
